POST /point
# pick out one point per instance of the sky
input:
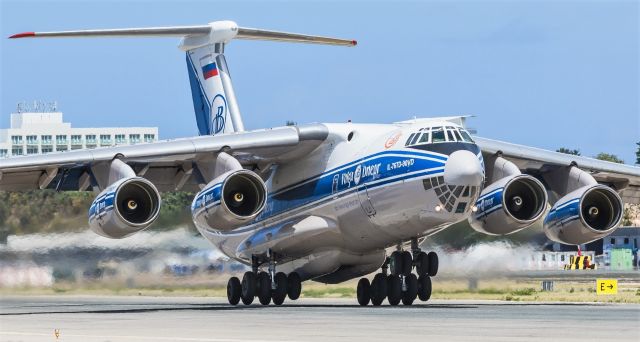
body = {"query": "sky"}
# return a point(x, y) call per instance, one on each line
point(548, 74)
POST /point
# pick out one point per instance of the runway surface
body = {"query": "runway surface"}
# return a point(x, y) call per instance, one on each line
point(90, 318)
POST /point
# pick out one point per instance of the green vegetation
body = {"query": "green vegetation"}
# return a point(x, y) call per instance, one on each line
point(568, 151)
point(609, 157)
point(49, 211)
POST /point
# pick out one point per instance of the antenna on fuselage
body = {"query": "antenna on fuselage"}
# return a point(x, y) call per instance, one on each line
point(214, 99)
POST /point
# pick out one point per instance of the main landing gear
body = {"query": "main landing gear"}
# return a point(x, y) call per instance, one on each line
point(396, 282)
point(267, 286)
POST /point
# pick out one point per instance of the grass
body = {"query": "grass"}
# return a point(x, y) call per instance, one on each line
point(496, 289)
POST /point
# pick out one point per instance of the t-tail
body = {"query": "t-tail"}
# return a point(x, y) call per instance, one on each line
point(214, 100)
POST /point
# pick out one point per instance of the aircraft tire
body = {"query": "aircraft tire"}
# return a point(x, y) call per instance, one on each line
point(280, 293)
point(407, 263)
point(422, 264)
point(412, 289)
point(264, 288)
point(234, 290)
point(248, 288)
point(424, 288)
point(394, 287)
point(395, 263)
point(433, 264)
point(294, 285)
point(363, 291)
point(378, 289)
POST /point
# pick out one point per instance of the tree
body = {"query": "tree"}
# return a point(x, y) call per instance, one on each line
point(609, 157)
point(638, 153)
point(568, 151)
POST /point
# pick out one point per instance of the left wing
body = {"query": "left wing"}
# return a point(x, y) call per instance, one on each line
point(180, 164)
point(535, 161)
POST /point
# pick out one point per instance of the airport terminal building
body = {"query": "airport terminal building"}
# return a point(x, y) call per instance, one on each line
point(40, 129)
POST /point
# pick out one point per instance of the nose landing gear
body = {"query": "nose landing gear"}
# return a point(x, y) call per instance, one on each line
point(267, 286)
point(401, 284)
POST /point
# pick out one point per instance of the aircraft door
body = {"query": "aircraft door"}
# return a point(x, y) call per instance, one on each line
point(365, 201)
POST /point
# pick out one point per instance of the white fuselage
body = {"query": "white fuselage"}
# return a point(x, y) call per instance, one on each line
point(333, 213)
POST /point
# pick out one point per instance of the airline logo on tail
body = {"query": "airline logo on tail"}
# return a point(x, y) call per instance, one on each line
point(209, 70)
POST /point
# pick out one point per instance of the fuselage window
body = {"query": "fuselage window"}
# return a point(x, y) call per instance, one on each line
point(437, 135)
point(466, 136)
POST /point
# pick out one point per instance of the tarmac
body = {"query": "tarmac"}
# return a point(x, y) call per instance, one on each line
point(96, 318)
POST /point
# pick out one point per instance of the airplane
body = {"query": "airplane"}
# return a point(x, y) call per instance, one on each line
point(327, 202)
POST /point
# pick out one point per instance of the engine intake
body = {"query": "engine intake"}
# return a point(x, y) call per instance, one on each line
point(509, 205)
point(584, 215)
point(124, 208)
point(229, 201)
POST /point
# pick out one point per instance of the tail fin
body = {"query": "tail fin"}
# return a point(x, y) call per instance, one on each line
point(214, 100)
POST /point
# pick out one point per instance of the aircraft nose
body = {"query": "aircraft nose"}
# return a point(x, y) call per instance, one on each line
point(463, 168)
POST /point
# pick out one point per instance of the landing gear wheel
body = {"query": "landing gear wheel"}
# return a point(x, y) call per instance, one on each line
point(412, 289)
point(264, 288)
point(407, 263)
point(294, 286)
point(394, 287)
point(422, 264)
point(395, 263)
point(424, 288)
point(363, 291)
point(433, 264)
point(234, 289)
point(280, 293)
point(248, 288)
point(378, 289)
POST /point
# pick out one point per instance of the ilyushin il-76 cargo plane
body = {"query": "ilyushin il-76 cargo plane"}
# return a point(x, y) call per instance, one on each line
point(327, 202)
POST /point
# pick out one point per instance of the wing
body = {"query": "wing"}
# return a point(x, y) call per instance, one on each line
point(180, 164)
point(535, 161)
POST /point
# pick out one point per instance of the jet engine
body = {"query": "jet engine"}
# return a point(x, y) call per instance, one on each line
point(509, 205)
point(584, 215)
point(125, 207)
point(229, 201)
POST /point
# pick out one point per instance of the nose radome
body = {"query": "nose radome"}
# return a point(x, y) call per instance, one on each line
point(463, 168)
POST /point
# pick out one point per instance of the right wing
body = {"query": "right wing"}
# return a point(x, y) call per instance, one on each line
point(171, 164)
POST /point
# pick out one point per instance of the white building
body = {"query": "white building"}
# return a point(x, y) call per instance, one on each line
point(36, 131)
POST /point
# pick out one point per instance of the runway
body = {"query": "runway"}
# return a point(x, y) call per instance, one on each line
point(90, 318)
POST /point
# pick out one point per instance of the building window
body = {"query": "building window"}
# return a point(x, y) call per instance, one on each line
point(76, 147)
point(105, 139)
point(61, 140)
point(16, 140)
point(149, 137)
point(120, 139)
point(613, 241)
point(61, 148)
point(134, 138)
point(16, 151)
point(47, 149)
point(626, 241)
point(46, 139)
point(32, 140)
point(76, 140)
point(3, 153)
point(91, 139)
point(32, 150)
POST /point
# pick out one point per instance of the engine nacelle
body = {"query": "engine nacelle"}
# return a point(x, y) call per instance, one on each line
point(229, 201)
point(584, 215)
point(509, 205)
point(124, 208)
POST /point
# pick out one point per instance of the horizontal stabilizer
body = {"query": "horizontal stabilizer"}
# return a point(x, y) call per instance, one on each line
point(225, 29)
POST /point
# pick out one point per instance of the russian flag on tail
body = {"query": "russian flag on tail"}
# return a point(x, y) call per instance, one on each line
point(210, 70)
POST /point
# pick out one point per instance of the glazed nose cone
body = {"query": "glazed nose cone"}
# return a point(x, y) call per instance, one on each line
point(463, 168)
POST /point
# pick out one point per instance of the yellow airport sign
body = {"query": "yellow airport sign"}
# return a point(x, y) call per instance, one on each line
point(606, 286)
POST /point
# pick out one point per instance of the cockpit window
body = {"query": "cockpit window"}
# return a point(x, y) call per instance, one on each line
point(458, 137)
point(424, 138)
point(409, 139)
point(466, 136)
point(437, 135)
point(415, 138)
point(450, 136)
